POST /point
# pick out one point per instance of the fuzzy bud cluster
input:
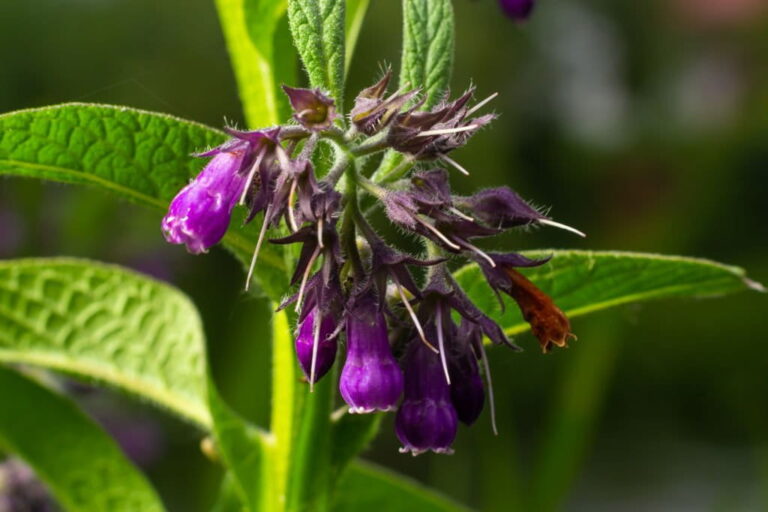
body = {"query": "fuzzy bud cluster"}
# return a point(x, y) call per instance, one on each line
point(394, 314)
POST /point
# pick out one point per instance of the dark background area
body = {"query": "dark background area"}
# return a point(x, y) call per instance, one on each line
point(644, 124)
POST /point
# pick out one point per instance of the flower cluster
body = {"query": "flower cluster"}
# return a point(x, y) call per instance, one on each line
point(412, 339)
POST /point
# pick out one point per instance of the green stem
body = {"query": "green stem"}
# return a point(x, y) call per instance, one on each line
point(355, 15)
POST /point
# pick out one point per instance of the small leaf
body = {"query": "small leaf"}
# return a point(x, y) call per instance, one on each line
point(318, 32)
point(581, 282)
point(105, 323)
point(262, 56)
point(366, 486)
point(83, 467)
point(427, 47)
point(141, 156)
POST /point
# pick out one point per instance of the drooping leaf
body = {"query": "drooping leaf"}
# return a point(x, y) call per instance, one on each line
point(582, 282)
point(318, 32)
point(366, 486)
point(105, 323)
point(81, 465)
point(262, 56)
point(427, 47)
point(141, 156)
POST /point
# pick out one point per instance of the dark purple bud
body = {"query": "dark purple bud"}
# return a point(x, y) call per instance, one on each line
point(467, 392)
point(20, 490)
point(500, 207)
point(518, 10)
point(426, 419)
point(325, 353)
point(372, 112)
point(371, 379)
point(311, 108)
point(199, 215)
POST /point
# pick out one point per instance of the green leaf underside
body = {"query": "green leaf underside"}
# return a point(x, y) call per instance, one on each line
point(105, 323)
point(582, 282)
point(81, 465)
point(318, 33)
point(366, 486)
point(262, 57)
point(427, 47)
point(142, 156)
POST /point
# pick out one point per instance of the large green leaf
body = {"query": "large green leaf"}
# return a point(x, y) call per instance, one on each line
point(366, 486)
point(262, 56)
point(581, 282)
point(318, 32)
point(83, 467)
point(105, 323)
point(141, 156)
point(353, 23)
point(427, 47)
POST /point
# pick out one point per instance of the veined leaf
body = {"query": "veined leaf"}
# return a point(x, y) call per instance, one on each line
point(83, 467)
point(581, 282)
point(427, 47)
point(105, 323)
point(141, 156)
point(366, 486)
point(318, 32)
point(262, 56)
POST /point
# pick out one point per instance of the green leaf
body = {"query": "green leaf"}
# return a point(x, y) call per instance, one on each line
point(103, 322)
point(355, 16)
point(141, 156)
point(83, 467)
point(582, 282)
point(262, 56)
point(366, 486)
point(244, 449)
point(318, 32)
point(427, 47)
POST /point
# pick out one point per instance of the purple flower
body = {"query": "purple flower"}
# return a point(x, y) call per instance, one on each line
point(426, 420)
point(467, 394)
point(200, 214)
point(371, 379)
point(518, 10)
point(316, 342)
point(500, 207)
point(372, 112)
point(21, 490)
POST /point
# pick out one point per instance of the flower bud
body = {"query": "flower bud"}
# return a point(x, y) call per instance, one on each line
point(312, 109)
point(371, 379)
point(426, 419)
point(326, 346)
point(200, 214)
point(518, 10)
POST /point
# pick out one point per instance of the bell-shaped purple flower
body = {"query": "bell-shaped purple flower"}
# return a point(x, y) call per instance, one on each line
point(426, 420)
point(371, 379)
point(518, 10)
point(312, 109)
point(316, 342)
point(200, 214)
point(467, 393)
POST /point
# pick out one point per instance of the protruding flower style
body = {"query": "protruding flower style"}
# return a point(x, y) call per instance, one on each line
point(348, 283)
point(371, 378)
point(432, 134)
point(200, 214)
point(311, 108)
point(467, 394)
point(426, 420)
point(518, 10)
point(316, 345)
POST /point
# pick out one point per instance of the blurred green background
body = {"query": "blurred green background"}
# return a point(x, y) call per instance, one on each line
point(644, 124)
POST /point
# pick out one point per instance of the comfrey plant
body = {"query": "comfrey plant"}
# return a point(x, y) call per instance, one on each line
point(349, 279)
point(307, 200)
